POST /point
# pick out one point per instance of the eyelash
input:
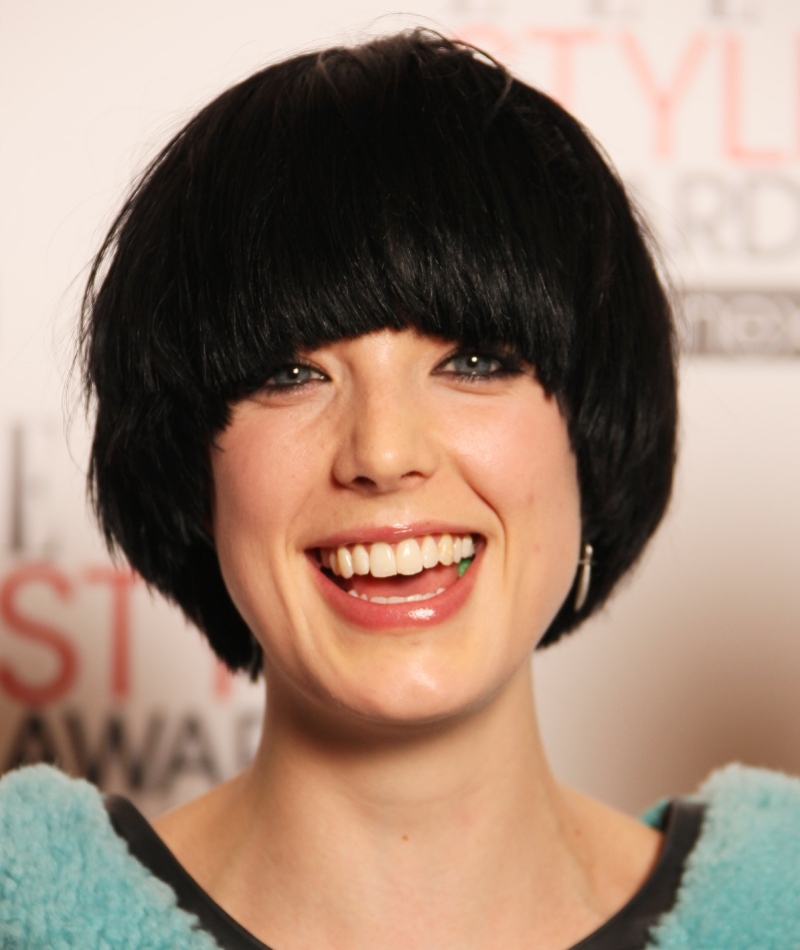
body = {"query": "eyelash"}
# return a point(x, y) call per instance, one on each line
point(272, 386)
point(507, 364)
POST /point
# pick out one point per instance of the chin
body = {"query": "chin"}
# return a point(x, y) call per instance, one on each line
point(407, 695)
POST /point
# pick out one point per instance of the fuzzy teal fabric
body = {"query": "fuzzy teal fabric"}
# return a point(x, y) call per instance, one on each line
point(67, 882)
point(740, 888)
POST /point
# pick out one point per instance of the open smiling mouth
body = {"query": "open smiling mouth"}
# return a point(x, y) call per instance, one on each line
point(414, 569)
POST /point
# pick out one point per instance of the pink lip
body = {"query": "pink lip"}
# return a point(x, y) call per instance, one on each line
point(391, 534)
point(383, 617)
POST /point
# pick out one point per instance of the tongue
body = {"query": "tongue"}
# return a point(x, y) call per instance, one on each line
point(426, 582)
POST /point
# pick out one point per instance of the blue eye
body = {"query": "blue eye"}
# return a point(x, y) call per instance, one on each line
point(475, 365)
point(479, 366)
point(293, 374)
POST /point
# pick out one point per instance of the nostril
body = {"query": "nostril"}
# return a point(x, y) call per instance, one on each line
point(365, 483)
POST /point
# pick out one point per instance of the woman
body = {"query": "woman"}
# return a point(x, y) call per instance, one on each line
point(385, 393)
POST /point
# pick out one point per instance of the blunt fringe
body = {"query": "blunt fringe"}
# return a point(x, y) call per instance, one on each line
point(407, 182)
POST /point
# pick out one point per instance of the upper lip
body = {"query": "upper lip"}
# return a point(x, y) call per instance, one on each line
point(391, 534)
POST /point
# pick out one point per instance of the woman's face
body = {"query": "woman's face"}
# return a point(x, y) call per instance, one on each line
point(365, 454)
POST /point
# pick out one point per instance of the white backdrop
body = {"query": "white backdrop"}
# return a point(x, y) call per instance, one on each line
point(697, 660)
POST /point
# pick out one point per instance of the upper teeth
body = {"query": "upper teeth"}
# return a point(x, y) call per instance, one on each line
point(409, 556)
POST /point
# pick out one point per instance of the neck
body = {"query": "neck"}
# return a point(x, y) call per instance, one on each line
point(489, 758)
point(338, 838)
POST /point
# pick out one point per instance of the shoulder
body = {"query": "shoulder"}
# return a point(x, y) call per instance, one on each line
point(741, 884)
point(67, 880)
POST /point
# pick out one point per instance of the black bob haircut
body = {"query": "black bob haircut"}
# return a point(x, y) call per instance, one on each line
point(406, 182)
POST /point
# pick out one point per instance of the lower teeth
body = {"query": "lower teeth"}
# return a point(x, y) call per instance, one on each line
point(397, 600)
point(463, 566)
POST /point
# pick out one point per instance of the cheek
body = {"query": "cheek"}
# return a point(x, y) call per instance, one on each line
point(262, 479)
point(260, 475)
point(520, 461)
point(523, 467)
point(241, 476)
point(265, 477)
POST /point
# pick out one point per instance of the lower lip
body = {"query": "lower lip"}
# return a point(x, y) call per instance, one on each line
point(416, 614)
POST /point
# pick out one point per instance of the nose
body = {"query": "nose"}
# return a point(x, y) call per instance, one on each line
point(386, 440)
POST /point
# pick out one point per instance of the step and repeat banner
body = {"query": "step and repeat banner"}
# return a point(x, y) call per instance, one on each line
point(697, 102)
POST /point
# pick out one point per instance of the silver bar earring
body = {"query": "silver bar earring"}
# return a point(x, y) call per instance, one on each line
point(584, 576)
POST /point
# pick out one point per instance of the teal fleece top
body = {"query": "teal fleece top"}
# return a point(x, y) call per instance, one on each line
point(68, 882)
